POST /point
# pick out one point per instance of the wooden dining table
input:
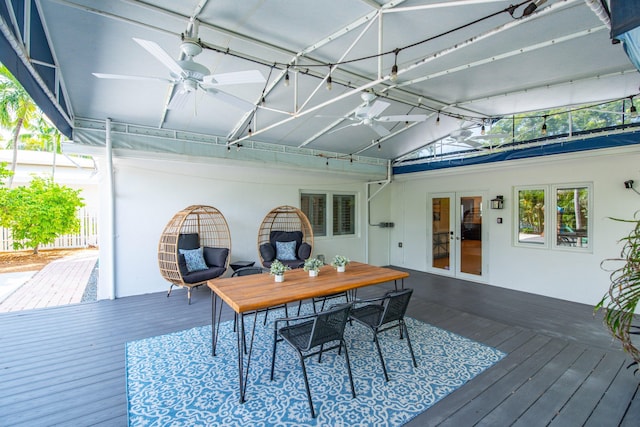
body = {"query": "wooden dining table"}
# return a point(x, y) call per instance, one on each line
point(251, 293)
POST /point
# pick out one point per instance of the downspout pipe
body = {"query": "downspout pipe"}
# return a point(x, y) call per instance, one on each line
point(110, 222)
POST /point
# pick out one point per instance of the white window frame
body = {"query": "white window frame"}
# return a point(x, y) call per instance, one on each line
point(329, 213)
point(550, 241)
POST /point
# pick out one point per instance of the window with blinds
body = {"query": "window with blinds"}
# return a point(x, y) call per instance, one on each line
point(344, 206)
point(314, 207)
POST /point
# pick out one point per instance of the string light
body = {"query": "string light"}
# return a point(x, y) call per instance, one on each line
point(286, 78)
point(438, 119)
point(394, 70)
point(632, 109)
point(544, 126)
point(329, 79)
point(482, 129)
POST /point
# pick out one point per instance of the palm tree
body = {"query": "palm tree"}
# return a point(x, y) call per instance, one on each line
point(17, 110)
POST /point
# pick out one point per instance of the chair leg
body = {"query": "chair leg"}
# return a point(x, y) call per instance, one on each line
point(306, 385)
point(406, 332)
point(273, 354)
point(170, 288)
point(189, 295)
point(384, 368)
point(266, 313)
point(346, 356)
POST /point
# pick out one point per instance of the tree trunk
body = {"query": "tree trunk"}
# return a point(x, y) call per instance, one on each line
point(14, 162)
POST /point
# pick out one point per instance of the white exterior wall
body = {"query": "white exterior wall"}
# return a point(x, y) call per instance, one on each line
point(561, 274)
point(149, 192)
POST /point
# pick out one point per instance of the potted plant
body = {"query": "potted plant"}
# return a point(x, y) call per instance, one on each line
point(340, 262)
point(277, 270)
point(312, 265)
point(621, 301)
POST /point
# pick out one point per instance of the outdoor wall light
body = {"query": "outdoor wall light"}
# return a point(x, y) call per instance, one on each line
point(497, 203)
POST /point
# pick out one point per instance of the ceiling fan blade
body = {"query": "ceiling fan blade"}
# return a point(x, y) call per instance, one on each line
point(377, 108)
point(405, 118)
point(125, 77)
point(179, 99)
point(230, 99)
point(161, 56)
point(235, 78)
point(380, 130)
point(344, 127)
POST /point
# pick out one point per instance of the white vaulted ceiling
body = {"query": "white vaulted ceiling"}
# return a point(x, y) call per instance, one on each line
point(464, 57)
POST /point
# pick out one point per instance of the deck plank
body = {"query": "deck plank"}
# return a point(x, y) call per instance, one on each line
point(65, 365)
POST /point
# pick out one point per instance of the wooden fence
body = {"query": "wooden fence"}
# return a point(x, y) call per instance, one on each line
point(86, 237)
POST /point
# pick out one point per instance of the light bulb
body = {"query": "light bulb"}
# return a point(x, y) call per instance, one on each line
point(544, 128)
point(438, 119)
point(633, 111)
point(329, 82)
point(286, 79)
point(482, 130)
point(394, 73)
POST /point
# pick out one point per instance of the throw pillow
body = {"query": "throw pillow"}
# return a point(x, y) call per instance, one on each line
point(286, 251)
point(267, 252)
point(304, 251)
point(215, 257)
point(194, 259)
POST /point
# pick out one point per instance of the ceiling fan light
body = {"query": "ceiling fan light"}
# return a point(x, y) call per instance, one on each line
point(190, 47)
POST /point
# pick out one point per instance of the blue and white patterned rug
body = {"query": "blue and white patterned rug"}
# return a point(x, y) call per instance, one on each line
point(172, 380)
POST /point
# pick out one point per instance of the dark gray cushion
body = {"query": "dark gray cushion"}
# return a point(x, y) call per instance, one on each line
point(285, 236)
point(203, 275)
point(267, 252)
point(304, 251)
point(188, 241)
point(215, 257)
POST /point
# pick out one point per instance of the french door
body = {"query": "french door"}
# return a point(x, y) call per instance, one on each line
point(456, 228)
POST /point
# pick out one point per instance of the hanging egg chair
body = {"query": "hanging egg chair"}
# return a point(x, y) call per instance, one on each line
point(285, 234)
point(194, 247)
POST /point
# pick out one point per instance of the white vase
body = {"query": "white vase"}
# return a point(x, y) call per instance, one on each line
point(279, 277)
point(313, 273)
point(340, 268)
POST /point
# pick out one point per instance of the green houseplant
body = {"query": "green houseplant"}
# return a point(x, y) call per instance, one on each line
point(340, 262)
point(621, 301)
point(277, 269)
point(313, 265)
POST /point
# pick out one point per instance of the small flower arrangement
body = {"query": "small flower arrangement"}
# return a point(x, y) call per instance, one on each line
point(278, 268)
point(313, 264)
point(340, 261)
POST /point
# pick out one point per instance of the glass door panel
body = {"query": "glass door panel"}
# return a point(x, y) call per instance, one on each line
point(441, 232)
point(470, 249)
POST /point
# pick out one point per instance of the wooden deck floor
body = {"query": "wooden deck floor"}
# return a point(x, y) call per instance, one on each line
point(65, 365)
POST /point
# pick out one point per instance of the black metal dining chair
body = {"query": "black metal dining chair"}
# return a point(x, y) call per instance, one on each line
point(384, 313)
point(306, 333)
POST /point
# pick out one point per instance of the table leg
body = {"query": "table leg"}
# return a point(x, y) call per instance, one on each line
point(243, 372)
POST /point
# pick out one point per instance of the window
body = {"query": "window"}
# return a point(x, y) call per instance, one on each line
point(344, 206)
point(314, 207)
point(530, 222)
point(339, 216)
point(572, 222)
point(554, 216)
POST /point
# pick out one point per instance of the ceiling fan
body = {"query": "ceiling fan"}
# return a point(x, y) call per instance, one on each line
point(189, 76)
point(368, 114)
point(472, 137)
